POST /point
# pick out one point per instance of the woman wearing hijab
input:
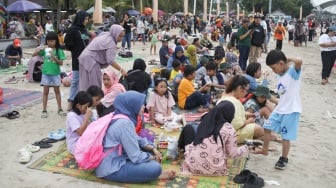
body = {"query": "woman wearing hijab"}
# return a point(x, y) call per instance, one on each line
point(100, 53)
point(192, 55)
point(215, 142)
point(138, 162)
point(179, 55)
point(137, 78)
point(76, 39)
point(111, 89)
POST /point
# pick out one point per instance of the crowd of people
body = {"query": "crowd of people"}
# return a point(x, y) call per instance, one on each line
point(229, 88)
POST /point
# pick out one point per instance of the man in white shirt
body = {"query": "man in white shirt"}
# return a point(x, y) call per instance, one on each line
point(49, 26)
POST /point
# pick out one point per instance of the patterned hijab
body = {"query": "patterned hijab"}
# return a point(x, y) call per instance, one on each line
point(129, 104)
point(212, 122)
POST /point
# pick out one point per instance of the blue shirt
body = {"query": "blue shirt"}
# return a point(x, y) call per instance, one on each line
point(163, 53)
point(121, 131)
point(253, 83)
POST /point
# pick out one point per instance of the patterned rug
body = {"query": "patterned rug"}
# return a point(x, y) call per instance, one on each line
point(14, 69)
point(61, 161)
point(17, 99)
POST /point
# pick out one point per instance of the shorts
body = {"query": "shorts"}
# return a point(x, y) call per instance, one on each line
point(50, 80)
point(284, 124)
point(245, 133)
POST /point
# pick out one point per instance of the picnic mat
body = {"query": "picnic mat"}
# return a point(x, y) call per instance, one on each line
point(14, 69)
point(61, 161)
point(17, 98)
point(120, 59)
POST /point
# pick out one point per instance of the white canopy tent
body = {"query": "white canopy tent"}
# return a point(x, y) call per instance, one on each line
point(325, 5)
point(105, 10)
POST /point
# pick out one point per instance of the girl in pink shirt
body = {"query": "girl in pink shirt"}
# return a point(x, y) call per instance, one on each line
point(215, 141)
point(160, 103)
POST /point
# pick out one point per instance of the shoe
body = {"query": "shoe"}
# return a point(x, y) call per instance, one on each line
point(57, 135)
point(61, 112)
point(282, 163)
point(44, 114)
point(253, 181)
point(32, 148)
point(243, 176)
point(24, 156)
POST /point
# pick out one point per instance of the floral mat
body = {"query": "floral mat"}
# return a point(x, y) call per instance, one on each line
point(61, 161)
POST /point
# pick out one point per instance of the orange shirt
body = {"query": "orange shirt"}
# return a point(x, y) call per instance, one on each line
point(279, 32)
point(185, 89)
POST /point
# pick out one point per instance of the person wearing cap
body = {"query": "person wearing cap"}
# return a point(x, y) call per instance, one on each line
point(261, 104)
point(164, 52)
point(244, 43)
point(327, 43)
point(13, 52)
point(225, 69)
point(279, 35)
point(257, 39)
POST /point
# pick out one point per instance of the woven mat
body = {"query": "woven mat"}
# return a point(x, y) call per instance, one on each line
point(61, 161)
point(15, 99)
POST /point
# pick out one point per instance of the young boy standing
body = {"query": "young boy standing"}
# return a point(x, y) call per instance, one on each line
point(285, 117)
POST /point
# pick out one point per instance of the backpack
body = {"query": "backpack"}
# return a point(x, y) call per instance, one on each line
point(125, 54)
point(89, 150)
point(127, 85)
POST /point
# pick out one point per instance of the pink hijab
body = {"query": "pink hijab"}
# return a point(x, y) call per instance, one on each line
point(115, 89)
point(106, 40)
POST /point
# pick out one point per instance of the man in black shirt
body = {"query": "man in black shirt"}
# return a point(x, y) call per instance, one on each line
point(127, 24)
point(257, 39)
point(14, 52)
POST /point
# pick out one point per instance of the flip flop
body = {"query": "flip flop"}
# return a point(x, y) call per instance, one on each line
point(49, 140)
point(12, 80)
point(42, 144)
point(57, 135)
point(12, 115)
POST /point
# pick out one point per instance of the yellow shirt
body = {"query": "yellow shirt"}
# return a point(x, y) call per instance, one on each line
point(173, 74)
point(185, 89)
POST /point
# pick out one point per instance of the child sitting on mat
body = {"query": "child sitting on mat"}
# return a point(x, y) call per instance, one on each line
point(160, 103)
point(188, 97)
point(78, 119)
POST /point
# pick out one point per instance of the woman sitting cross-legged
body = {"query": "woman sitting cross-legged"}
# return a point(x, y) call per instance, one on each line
point(138, 162)
point(214, 142)
point(243, 121)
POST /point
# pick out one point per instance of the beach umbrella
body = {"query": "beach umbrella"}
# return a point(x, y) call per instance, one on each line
point(179, 14)
point(109, 9)
point(133, 12)
point(23, 6)
point(161, 13)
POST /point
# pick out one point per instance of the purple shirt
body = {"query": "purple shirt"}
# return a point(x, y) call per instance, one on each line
point(73, 122)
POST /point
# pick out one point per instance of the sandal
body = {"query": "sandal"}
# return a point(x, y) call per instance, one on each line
point(42, 144)
point(44, 114)
point(49, 140)
point(57, 135)
point(24, 156)
point(12, 80)
point(12, 115)
point(32, 148)
point(61, 112)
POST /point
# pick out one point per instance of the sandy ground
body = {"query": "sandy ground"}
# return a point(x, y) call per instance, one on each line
point(311, 158)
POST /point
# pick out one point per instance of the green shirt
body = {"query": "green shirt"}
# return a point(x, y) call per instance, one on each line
point(49, 66)
point(246, 41)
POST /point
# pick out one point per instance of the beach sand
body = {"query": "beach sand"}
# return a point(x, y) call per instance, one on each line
point(311, 157)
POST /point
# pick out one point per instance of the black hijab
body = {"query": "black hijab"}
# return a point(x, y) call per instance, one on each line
point(212, 122)
point(79, 19)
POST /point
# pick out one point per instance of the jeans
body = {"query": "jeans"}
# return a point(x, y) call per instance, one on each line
point(136, 173)
point(127, 38)
point(244, 52)
point(197, 99)
point(328, 61)
point(74, 85)
point(143, 38)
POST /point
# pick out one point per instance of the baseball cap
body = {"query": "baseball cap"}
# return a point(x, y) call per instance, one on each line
point(17, 42)
point(332, 28)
